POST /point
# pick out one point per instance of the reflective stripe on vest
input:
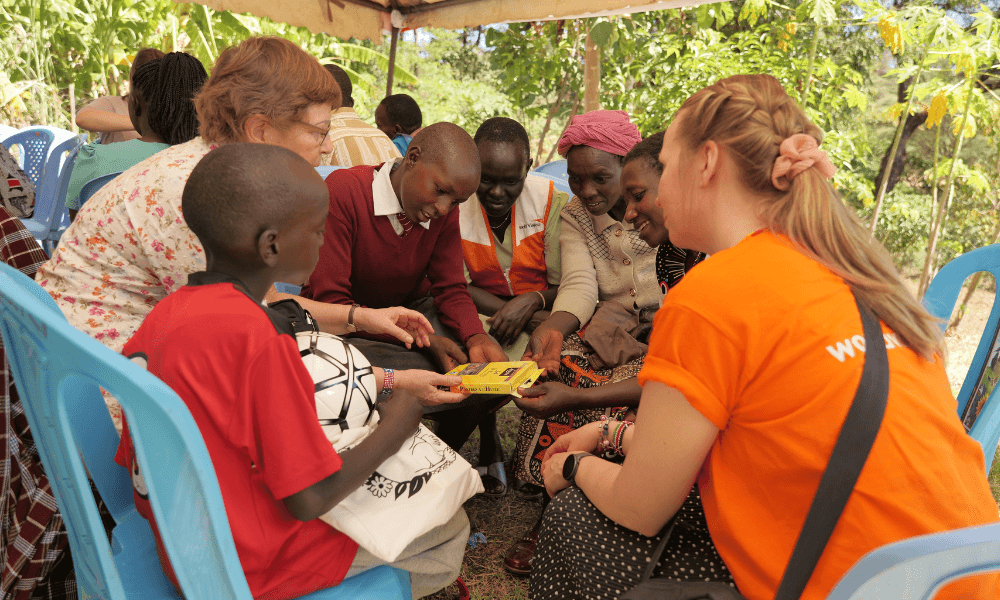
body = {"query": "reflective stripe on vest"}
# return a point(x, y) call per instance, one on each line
point(529, 217)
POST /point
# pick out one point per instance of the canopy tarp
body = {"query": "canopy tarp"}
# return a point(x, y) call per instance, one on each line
point(369, 18)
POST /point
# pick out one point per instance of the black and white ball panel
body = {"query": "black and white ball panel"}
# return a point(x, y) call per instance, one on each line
point(343, 379)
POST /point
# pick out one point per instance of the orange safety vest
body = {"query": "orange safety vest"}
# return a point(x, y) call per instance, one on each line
point(528, 219)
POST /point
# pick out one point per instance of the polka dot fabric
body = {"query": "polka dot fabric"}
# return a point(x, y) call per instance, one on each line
point(583, 555)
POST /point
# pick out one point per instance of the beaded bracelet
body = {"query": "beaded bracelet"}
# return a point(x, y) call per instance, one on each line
point(603, 440)
point(619, 437)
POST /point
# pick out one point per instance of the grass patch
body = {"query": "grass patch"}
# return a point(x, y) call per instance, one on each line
point(503, 521)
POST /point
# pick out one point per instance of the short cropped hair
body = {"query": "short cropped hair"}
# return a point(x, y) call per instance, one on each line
point(501, 130)
point(267, 76)
point(648, 149)
point(346, 87)
point(403, 110)
point(236, 192)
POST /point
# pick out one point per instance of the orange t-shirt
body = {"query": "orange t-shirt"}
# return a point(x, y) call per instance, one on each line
point(766, 344)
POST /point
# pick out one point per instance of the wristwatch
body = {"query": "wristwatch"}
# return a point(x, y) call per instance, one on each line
point(351, 327)
point(572, 464)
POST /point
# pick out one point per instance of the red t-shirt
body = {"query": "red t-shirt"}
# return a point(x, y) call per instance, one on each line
point(767, 343)
point(238, 369)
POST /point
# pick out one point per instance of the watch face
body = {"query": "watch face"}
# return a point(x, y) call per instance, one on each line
point(569, 467)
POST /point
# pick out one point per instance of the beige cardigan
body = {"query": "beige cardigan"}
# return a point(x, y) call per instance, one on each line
point(602, 260)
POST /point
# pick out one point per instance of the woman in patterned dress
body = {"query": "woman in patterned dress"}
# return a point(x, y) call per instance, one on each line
point(129, 246)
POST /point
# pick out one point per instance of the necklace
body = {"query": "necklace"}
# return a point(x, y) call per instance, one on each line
point(502, 225)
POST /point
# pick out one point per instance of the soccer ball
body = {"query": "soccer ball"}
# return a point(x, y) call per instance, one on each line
point(344, 382)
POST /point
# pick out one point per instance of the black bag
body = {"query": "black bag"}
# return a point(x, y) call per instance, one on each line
point(299, 318)
point(850, 453)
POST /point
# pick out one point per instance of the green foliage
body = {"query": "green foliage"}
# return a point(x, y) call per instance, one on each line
point(841, 60)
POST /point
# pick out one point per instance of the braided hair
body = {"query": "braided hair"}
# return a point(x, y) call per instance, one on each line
point(168, 86)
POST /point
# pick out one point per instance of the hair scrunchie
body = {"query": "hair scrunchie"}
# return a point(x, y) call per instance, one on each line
point(796, 154)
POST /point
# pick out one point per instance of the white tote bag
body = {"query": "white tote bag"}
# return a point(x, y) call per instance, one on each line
point(417, 489)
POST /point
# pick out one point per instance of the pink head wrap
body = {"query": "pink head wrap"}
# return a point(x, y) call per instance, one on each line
point(607, 130)
point(796, 154)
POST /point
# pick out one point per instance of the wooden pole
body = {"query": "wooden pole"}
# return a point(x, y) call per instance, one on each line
point(392, 60)
point(591, 76)
point(72, 108)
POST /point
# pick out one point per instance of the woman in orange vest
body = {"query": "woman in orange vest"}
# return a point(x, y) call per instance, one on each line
point(510, 240)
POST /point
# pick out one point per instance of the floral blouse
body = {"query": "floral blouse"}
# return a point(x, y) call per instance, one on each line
point(128, 248)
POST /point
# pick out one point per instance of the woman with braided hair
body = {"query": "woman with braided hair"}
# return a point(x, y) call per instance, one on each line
point(754, 360)
point(161, 106)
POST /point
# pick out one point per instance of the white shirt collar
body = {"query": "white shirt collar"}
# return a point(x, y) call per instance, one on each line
point(385, 202)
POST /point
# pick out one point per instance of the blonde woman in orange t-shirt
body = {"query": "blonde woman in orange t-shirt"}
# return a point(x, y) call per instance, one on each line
point(754, 361)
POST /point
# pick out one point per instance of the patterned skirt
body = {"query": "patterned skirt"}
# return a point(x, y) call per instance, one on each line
point(583, 554)
point(536, 435)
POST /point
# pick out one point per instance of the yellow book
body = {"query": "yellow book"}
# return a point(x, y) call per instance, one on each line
point(496, 377)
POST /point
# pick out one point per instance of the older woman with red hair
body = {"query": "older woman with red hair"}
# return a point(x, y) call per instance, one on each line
point(129, 246)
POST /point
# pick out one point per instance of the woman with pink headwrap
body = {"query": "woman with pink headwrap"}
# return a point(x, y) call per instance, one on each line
point(754, 362)
point(608, 287)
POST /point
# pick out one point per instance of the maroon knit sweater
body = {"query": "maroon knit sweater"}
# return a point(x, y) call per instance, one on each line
point(363, 260)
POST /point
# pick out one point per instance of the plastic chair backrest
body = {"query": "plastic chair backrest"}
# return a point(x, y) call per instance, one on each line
point(45, 222)
point(91, 187)
point(5, 132)
point(556, 168)
point(915, 569)
point(59, 372)
point(981, 388)
point(561, 184)
point(325, 171)
point(34, 146)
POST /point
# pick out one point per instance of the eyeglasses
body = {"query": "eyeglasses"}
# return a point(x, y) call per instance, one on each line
point(318, 132)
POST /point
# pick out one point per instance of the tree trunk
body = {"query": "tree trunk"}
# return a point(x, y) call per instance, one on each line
point(553, 108)
point(913, 122)
point(925, 275)
point(883, 184)
point(572, 113)
point(591, 76)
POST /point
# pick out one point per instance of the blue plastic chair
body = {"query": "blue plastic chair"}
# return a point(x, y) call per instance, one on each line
point(91, 187)
point(324, 171)
point(59, 372)
point(5, 132)
point(556, 168)
point(561, 184)
point(288, 288)
point(48, 222)
point(34, 144)
point(915, 569)
point(940, 299)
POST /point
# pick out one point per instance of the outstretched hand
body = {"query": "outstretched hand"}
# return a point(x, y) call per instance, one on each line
point(543, 400)
point(447, 353)
point(424, 385)
point(408, 326)
point(545, 348)
point(482, 348)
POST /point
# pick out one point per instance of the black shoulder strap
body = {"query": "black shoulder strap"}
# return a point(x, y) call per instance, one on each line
point(849, 455)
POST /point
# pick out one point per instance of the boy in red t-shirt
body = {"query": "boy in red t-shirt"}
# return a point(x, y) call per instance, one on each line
point(236, 365)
